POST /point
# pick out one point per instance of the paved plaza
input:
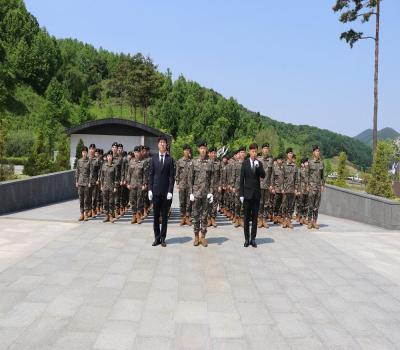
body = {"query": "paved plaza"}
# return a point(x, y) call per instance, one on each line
point(69, 285)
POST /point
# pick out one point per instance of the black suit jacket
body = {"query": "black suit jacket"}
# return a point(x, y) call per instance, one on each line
point(161, 180)
point(250, 180)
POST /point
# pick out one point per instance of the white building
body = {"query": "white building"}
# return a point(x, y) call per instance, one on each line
point(103, 132)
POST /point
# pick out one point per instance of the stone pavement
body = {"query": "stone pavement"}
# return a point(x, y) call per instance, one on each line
point(70, 285)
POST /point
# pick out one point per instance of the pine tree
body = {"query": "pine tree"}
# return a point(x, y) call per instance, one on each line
point(380, 183)
point(78, 153)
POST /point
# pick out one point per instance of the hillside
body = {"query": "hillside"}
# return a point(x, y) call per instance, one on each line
point(383, 134)
point(48, 84)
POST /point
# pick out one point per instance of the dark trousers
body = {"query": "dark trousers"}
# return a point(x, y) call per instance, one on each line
point(160, 206)
point(251, 207)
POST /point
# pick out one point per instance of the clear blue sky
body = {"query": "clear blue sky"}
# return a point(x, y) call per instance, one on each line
point(281, 58)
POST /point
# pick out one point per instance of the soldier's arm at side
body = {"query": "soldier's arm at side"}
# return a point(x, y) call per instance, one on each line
point(261, 170)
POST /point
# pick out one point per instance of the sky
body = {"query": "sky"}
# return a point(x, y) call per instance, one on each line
point(283, 59)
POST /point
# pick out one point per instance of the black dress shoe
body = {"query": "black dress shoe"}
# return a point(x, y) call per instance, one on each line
point(253, 243)
point(246, 244)
point(156, 242)
point(163, 244)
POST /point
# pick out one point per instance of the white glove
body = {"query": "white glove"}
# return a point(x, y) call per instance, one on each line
point(191, 197)
point(256, 163)
point(169, 195)
point(150, 195)
point(210, 197)
point(241, 199)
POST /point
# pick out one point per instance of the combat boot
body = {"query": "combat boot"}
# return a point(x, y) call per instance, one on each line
point(203, 240)
point(289, 224)
point(260, 222)
point(213, 222)
point(310, 225)
point(315, 225)
point(196, 239)
point(209, 223)
point(265, 223)
point(134, 219)
point(236, 222)
point(183, 221)
point(107, 218)
point(241, 222)
point(139, 218)
point(284, 223)
point(81, 217)
point(86, 217)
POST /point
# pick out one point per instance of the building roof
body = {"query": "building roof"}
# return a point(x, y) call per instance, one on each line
point(116, 126)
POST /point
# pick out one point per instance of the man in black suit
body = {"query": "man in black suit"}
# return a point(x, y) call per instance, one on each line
point(251, 172)
point(161, 187)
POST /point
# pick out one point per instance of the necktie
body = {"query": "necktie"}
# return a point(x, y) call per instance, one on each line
point(252, 165)
point(162, 160)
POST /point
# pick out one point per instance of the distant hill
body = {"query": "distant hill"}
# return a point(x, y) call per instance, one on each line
point(383, 134)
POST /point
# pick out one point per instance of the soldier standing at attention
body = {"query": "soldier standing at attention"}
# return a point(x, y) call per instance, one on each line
point(316, 187)
point(224, 164)
point(267, 162)
point(216, 186)
point(302, 200)
point(200, 193)
point(236, 187)
point(182, 183)
point(289, 189)
point(136, 184)
point(277, 178)
point(93, 180)
point(108, 186)
point(82, 176)
point(145, 151)
point(124, 188)
point(99, 197)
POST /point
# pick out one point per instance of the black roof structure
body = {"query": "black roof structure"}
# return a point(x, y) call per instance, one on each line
point(116, 126)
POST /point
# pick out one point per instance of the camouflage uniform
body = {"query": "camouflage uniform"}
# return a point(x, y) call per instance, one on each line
point(124, 188)
point(229, 185)
point(108, 182)
point(200, 185)
point(82, 177)
point(315, 181)
point(136, 179)
point(265, 204)
point(117, 162)
point(224, 192)
point(277, 178)
point(216, 183)
point(94, 178)
point(236, 185)
point(99, 195)
point(302, 186)
point(289, 189)
point(182, 180)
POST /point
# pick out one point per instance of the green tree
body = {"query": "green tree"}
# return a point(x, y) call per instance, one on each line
point(328, 167)
point(352, 10)
point(342, 172)
point(268, 135)
point(78, 151)
point(379, 183)
point(63, 160)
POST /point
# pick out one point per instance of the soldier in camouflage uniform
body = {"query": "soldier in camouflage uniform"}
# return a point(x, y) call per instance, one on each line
point(238, 220)
point(229, 194)
point(216, 187)
point(93, 180)
point(316, 186)
point(200, 188)
point(277, 179)
point(99, 197)
point(302, 199)
point(124, 188)
point(146, 162)
point(182, 183)
point(267, 162)
point(117, 162)
point(289, 189)
point(82, 178)
point(223, 201)
point(108, 186)
point(136, 183)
